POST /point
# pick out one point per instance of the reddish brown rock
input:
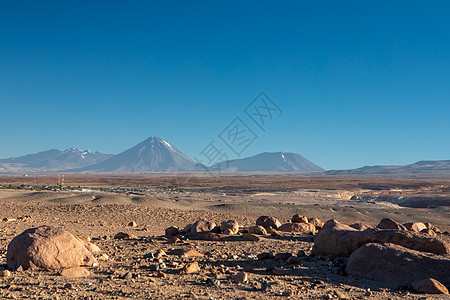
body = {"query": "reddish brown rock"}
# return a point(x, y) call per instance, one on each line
point(396, 264)
point(240, 277)
point(428, 231)
point(189, 268)
point(417, 226)
point(48, 248)
point(429, 286)
point(268, 222)
point(298, 228)
point(360, 226)
point(257, 230)
point(124, 235)
point(316, 222)
point(335, 224)
point(172, 231)
point(201, 226)
point(299, 219)
point(388, 223)
point(75, 272)
point(341, 243)
point(231, 225)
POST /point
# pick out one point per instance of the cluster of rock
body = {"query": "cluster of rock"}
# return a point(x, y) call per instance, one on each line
point(231, 229)
point(404, 254)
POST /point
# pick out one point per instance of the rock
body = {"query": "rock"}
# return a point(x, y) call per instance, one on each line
point(5, 273)
point(417, 226)
point(316, 222)
point(251, 237)
point(335, 224)
point(268, 222)
point(229, 232)
point(432, 227)
point(360, 226)
point(429, 286)
point(127, 276)
point(173, 240)
point(396, 264)
point(124, 235)
point(294, 260)
point(84, 238)
point(68, 286)
point(283, 256)
point(94, 249)
point(428, 231)
point(341, 243)
point(104, 256)
point(388, 223)
point(48, 248)
point(299, 219)
point(298, 228)
point(189, 268)
point(240, 277)
point(75, 272)
point(201, 226)
point(257, 230)
point(265, 255)
point(232, 225)
point(210, 236)
point(160, 253)
point(172, 231)
point(265, 286)
point(132, 224)
point(161, 274)
point(185, 253)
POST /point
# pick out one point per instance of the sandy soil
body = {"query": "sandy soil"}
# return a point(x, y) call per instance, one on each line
point(108, 203)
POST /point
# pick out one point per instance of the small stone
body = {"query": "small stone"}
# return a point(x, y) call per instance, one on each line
point(161, 274)
point(172, 231)
point(265, 255)
point(429, 286)
point(240, 277)
point(190, 268)
point(160, 253)
point(103, 257)
point(283, 256)
point(340, 295)
point(75, 272)
point(68, 286)
point(124, 235)
point(294, 260)
point(213, 282)
point(265, 286)
point(132, 224)
point(5, 273)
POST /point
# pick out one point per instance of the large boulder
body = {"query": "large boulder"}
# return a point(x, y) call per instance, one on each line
point(268, 222)
point(341, 243)
point(48, 248)
point(298, 228)
point(396, 264)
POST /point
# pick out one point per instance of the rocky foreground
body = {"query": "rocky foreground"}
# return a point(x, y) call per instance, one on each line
point(300, 259)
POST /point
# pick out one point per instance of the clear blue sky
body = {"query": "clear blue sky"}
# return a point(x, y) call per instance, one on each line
point(359, 82)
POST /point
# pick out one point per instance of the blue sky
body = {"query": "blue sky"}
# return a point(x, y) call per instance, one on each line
point(359, 82)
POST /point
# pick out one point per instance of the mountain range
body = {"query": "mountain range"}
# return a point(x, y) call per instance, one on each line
point(157, 155)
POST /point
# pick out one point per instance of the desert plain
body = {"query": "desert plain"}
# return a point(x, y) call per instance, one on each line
point(146, 263)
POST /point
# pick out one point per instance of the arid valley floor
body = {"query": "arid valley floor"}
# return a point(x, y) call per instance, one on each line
point(102, 206)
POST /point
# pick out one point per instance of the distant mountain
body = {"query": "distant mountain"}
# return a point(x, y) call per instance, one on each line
point(51, 160)
point(152, 155)
point(438, 168)
point(269, 162)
